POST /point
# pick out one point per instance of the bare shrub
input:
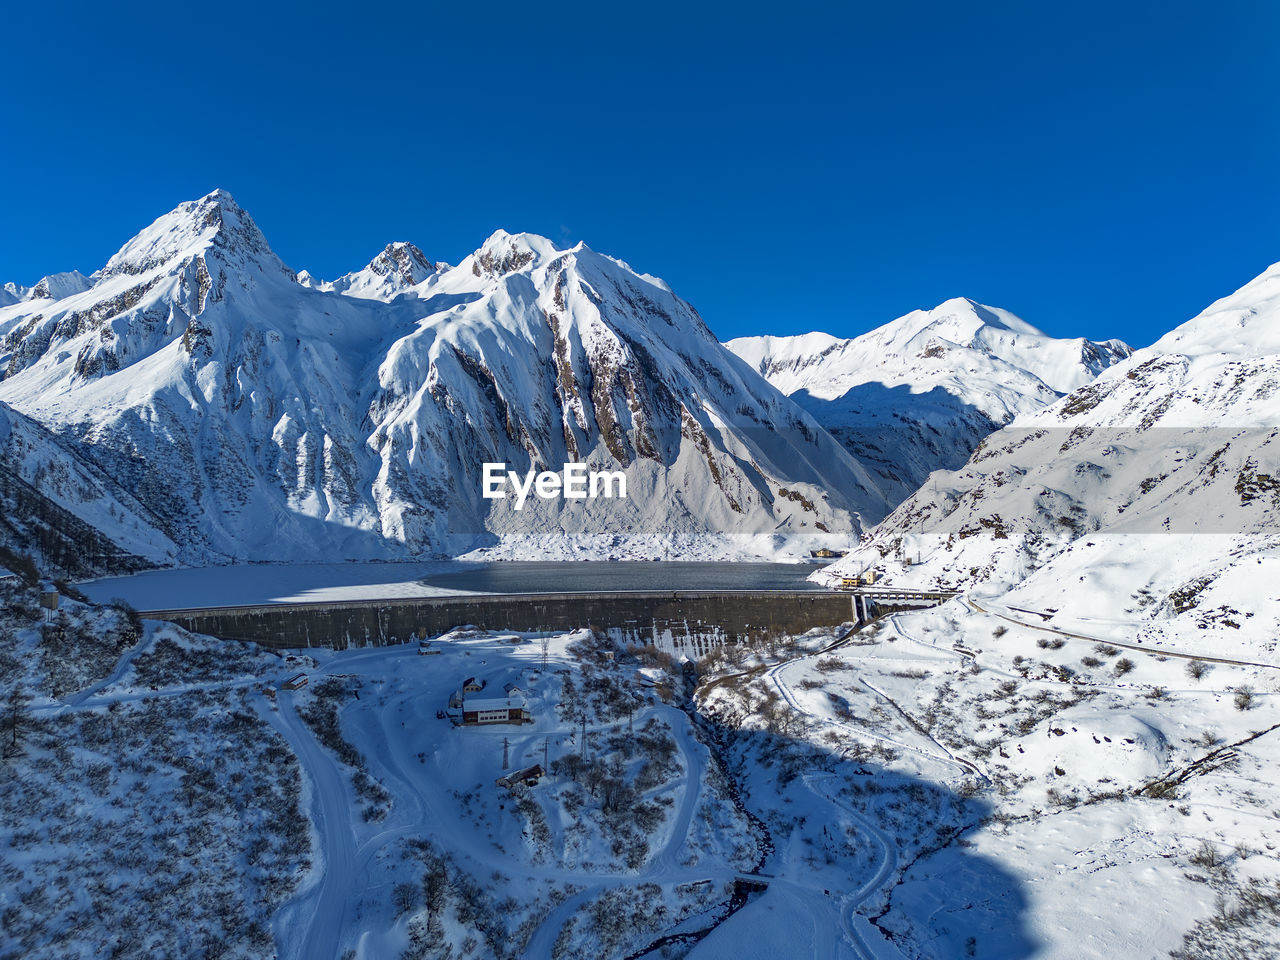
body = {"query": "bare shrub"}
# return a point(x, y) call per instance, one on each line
point(1208, 856)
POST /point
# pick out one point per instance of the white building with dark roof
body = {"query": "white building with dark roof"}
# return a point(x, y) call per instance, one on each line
point(511, 708)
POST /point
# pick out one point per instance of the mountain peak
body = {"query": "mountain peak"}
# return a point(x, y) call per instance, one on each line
point(404, 260)
point(990, 358)
point(58, 285)
point(398, 267)
point(959, 320)
point(215, 220)
point(55, 286)
point(505, 253)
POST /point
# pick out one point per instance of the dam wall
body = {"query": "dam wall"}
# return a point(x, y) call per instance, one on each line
point(734, 616)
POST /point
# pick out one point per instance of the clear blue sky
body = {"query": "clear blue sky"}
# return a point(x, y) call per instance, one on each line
point(1100, 168)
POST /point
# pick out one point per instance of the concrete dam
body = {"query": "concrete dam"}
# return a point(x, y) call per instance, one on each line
point(730, 616)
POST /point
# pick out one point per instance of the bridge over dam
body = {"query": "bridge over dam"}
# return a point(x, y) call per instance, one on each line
point(712, 616)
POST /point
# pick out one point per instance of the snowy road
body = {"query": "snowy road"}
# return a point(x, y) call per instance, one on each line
point(866, 939)
point(777, 676)
point(860, 935)
point(320, 907)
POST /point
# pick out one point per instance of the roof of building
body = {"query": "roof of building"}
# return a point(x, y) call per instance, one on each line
point(501, 703)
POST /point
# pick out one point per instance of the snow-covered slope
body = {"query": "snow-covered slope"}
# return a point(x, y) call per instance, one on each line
point(545, 356)
point(920, 392)
point(1120, 553)
point(55, 505)
point(1153, 491)
point(259, 418)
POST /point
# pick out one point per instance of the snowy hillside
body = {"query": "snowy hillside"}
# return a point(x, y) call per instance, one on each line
point(262, 415)
point(1149, 492)
point(147, 810)
point(55, 505)
point(919, 393)
point(1114, 660)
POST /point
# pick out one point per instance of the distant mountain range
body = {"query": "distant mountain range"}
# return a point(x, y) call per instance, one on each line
point(919, 393)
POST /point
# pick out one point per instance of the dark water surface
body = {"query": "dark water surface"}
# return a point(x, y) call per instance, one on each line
point(572, 576)
point(252, 584)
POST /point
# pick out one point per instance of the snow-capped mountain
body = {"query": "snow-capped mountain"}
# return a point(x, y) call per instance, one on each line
point(256, 417)
point(397, 268)
point(919, 393)
point(53, 287)
point(1154, 488)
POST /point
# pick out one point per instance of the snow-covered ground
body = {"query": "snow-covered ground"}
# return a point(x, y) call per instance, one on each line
point(1094, 826)
point(971, 780)
point(145, 810)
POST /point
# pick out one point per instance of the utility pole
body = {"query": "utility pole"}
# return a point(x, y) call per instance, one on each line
point(506, 744)
point(582, 750)
point(546, 748)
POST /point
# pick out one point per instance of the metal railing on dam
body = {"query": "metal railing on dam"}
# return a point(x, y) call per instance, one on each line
point(734, 614)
